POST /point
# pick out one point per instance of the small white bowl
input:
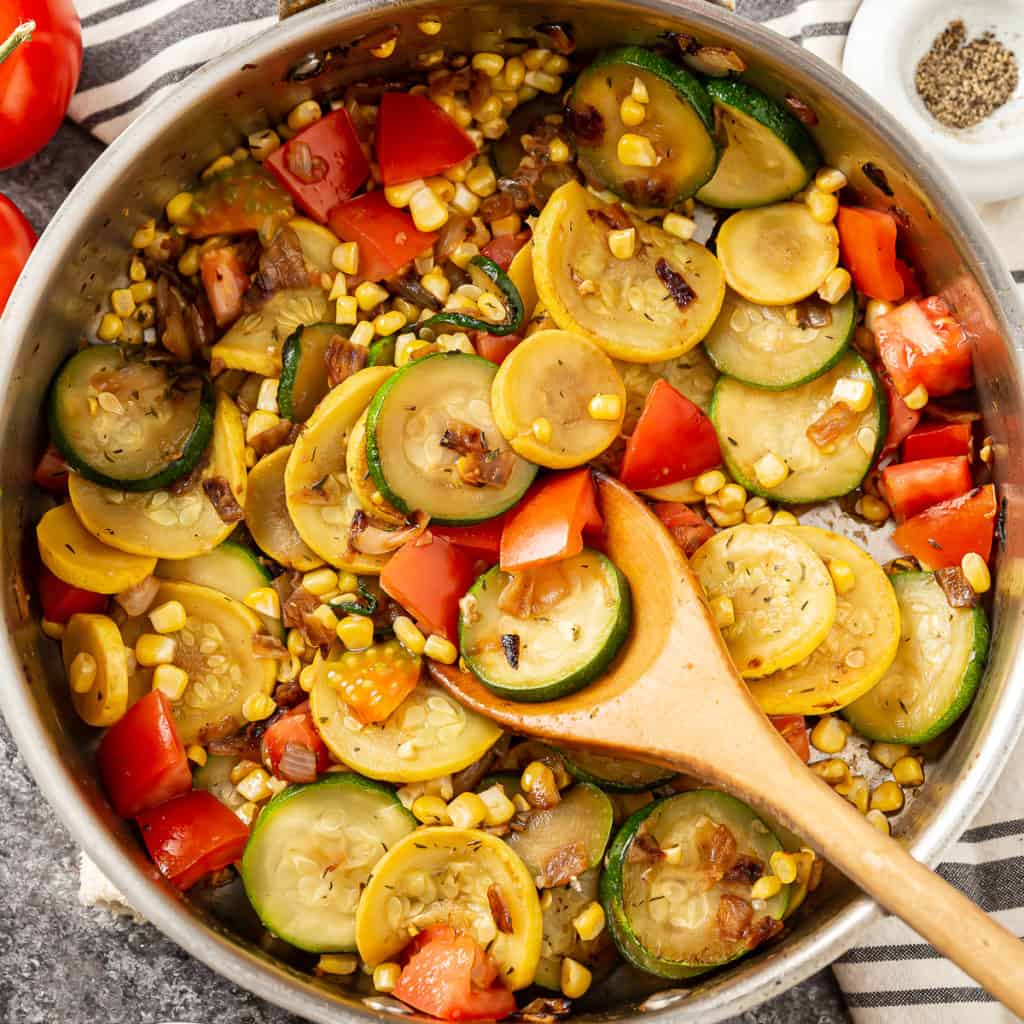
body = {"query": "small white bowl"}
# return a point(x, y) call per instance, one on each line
point(885, 43)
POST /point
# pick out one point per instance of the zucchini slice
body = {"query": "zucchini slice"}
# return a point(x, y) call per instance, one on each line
point(647, 309)
point(74, 555)
point(214, 776)
point(562, 842)
point(311, 853)
point(255, 341)
point(126, 423)
point(565, 624)
point(560, 938)
point(162, 524)
point(679, 124)
point(357, 469)
point(760, 346)
point(752, 423)
point(269, 522)
point(859, 648)
point(554, 375)
point(215, 649)
point(613, 773)
point(781, 590)
point(319, 500)
point(939, 664)
point(318, 244)
point(429, 735)
point(777, 254)
point(231, 568)
point(451, 876)
point(106, 700)
point(692, 374)
point(304, 369)
point(769, 155)
point(432, 443)
point(676, 920)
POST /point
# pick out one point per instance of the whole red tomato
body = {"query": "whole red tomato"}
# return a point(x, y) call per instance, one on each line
point(37, 75)
point(16, 241)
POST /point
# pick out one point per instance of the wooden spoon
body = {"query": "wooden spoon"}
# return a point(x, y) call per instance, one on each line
point(674, 698)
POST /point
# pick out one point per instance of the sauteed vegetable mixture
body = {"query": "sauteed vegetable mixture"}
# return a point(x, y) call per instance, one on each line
point(341, 424)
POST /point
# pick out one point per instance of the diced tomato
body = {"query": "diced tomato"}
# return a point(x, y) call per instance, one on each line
point(451, 977)
point(867, 241)
point(921, 342)
point(226, 283)
point(415, 138)
point(504, 248)
point(493, 347)
point(902, 419)
point(337, 164)
point(242, 198)
point(294, 728)
point(61, 600)
point(689, 528)
point(940, 536)
point(141, 759)
point(793, 729)
point(428, 577)
point(481, 539)
point(373, 683)
point(937, 439)
point(192, 835)
point(673, 441)
point(387, 237)
point(911, 289)
point(911, 487)
point(51, 472)
point(548, 525)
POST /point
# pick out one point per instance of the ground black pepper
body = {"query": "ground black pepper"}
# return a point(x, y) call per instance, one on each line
point(962, 81)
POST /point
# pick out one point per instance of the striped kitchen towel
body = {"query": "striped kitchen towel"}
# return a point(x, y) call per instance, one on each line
point(135, 50)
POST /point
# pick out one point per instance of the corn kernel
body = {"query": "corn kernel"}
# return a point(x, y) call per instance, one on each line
point(168, 617)
point(543, 82)
point(710, 482)
point(605, 407)
point(907, 771)
point(541, 430)
point(766, 887)
point(636, 151)
point(575, 978)
point(306, 113)
point(783, 866)
point(830, 734)
point(724, 519)
point(152, 649)
point(835, 286)
point(888, 798)
point(887, 754)
point(481, 180)
point(431, 810)
point(467, 811)
point(370, 295)
point(770, 470)
point(464, 201)
point(874, 309)
point(558, 151)
point(54, 630)
point(347, 310)
point(345, 257)
point(440, 649)
point(823, 206)
point(262, 144)
point(382, 52)
point(829, 179)
point(429, 26)
point(758, 516)
point(386, 975)
point(833, 771)
point(389, 323)
point(723, 611)
point(872, 509)
point(400, 196)
point(258, 706)
point(463, 253)
point(179, 208)
point(916, 399)
point(730, 498)
point(856, 790)
point(679, 226)
point(121, 302)
point(499, 808)
point(622, 243)
point(878, 820)
point(110, 327)
point(137, 270)
point(589, 922)
point(843, 576)
point(308, 677)
point(248, 812)
point(188, 264)
point(976, 572)
point(632, 113)
point(355, 632)
point(171, 680)
point(82, 672)
point(266, 400)
point(264, 600)
point(196, 754)
point(341, 963)
point(409, 635)
point(491, 64)
point(254, 786)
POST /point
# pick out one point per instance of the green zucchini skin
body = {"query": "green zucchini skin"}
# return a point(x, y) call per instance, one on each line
point(867, 713)
point(306, 342)
point(382, 351)
point(561, 685)
point(191, 450)
point(734, 94)
point(612, 887)
point(584, 770)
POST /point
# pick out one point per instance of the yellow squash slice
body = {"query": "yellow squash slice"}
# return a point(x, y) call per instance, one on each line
point(443, 876)
point(371, 501)
point(552, 376)
point(783, 600)
point(520, 273)
point(318, 244)
point(97, 637)
point(268, 520)
point(859, 648)
point(159, 524)
point(74, 555)
point(623, 305)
